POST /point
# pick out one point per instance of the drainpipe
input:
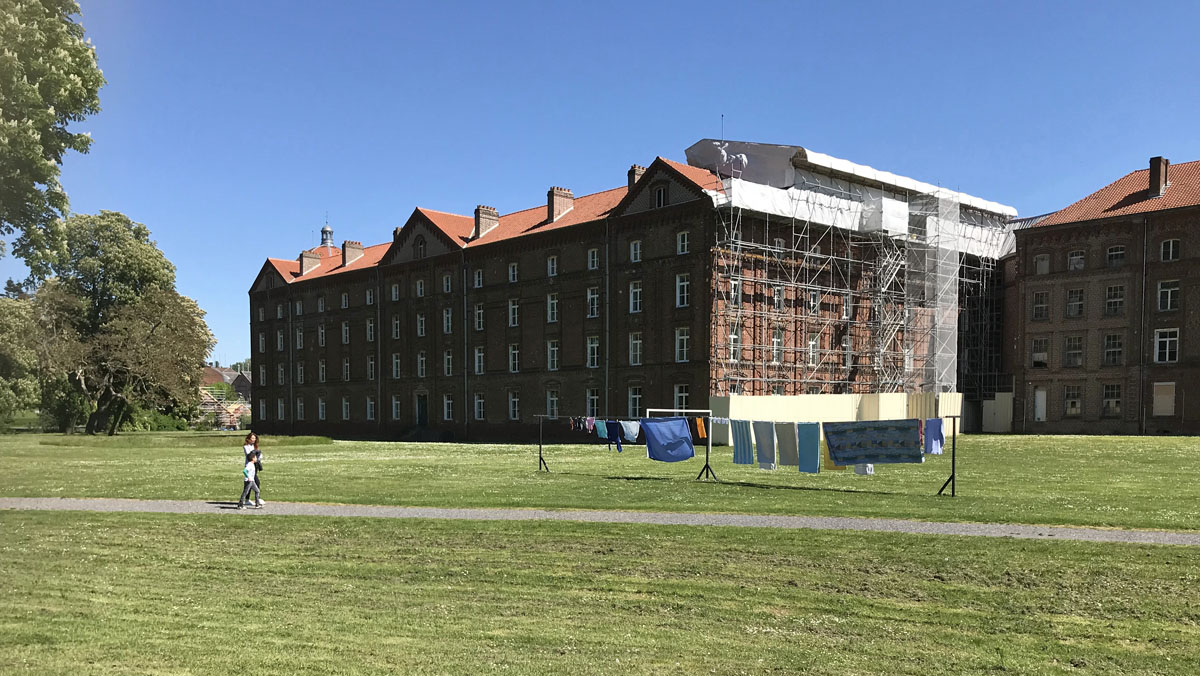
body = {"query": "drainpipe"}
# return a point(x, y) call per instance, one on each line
point(379, 349)
point(464, 328)
point(1142, 327)
point(607, 304)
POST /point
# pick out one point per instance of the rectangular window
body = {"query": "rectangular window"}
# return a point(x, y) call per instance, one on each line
point(814, 301)
point(299, 408)
point(346, 368)
point(262, 409)
point(479, 316)
point(660, 196)
point(345, 408)
point(395, 364)
point(635, 401)
point(635, 251)
point(1074, 302)
point(1116, 256)
point(1075, 260)
point(813, 355)
point(1166, 346)
point(551, 266)
point(735, 343)
point(447, 407)
point(683, 340)
point(279, 340)
point(551, 308)
point(448, 363)
point(479, 406)
point(735, 292)
point(478, 278)
point(777, 345)
point(300, 373)
point(447, 284)
point(478, 360)
point(514, 406)
point(395, 292)
point(421, 363)
point(1041, 264)
point(345, 333)
point(370, 330)
point(514, 358)
point(512, 273)
point(1040, 350)
point(299, 308)
point(777, 298)
point(681, 396)
point(279, 410)
point(593, 352)
point(514, 312)
point(320, 408)
point(847, 352)
point(1163, 399)
point(370, 408)
point(345, 300)
point(1041, 305)
point(1112, 401)
point(552, 404)
point(1072, 400)
point(420, 288)
point(262, 313)
point(279, 311)
point(396, 405)
point(447, 320)
point(592, 407)
point(551, 355)
point(262, 342)
point(280, 374)
point(420, 323)
point(847, 305)
point(371, 367)
point(593, 301)
point(635, 297)
point(593, 259)
point(321, 335)
point(370, 296)
point(1169, 250)
point(635, 348)
point(1114, 349)
point(1073, 351)
point(321, 371)
point(395, 327)
point(682, 289)
point(1114, 300)
point(1168, 295)
point(320, 303)
point(681, 242)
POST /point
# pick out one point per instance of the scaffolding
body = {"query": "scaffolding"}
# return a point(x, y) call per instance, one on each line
point(832, 286)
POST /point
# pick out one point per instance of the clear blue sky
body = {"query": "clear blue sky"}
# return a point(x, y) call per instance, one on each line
point(231, 128)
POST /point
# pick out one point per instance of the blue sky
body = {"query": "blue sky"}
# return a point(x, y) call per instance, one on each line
point(231, 128)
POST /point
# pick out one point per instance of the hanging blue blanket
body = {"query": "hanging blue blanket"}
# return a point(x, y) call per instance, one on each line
point(668, 439)
point(743, 447)
point(935, 436)
point(878, 441)
point(614, 433)
point(809, 437)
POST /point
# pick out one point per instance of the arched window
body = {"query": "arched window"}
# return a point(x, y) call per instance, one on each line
point(419, 248)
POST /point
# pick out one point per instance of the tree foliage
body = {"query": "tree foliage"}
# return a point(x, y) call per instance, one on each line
point(18, 358)
point(48, 79)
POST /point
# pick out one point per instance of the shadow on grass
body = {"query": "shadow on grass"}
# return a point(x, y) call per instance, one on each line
point(746, 484)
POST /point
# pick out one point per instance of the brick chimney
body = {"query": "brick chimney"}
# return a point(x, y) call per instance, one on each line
point(486, 218)
point(558, 202)
point(308, 261)
point(635, 173)
point(351, 251)
point(1158, 176)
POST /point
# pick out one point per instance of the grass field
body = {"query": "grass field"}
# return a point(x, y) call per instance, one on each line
point(122, 593)
point(1130, 482)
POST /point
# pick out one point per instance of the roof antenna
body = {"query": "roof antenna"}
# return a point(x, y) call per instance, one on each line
point(722, 126)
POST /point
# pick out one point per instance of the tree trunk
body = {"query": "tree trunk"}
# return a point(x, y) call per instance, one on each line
point(98, 420)
point(120, 412)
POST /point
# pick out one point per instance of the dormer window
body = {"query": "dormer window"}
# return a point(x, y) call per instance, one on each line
point(418, 248)
point(660, 196)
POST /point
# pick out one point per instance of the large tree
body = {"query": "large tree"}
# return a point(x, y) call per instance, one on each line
point(48, 79)
point(112, 326)
point(18, 357)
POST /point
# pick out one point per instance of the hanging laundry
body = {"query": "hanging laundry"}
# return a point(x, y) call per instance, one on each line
point(630, 429)
point(589, 423)
point(827, 462)
point(935, 436)
point(764, 442)
point(864, 469)
point(876, 441)
point(668, 439)
point(700, 429)
point(743, 446)
point(718, 421)
point(788, 448)
point(614, 433)
point(602, 430)
point(808, 447)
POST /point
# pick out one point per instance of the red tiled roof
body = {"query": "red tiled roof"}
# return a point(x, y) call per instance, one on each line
point(1127, 195)
point(459, 228)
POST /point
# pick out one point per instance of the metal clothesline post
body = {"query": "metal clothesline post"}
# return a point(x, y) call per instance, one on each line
point(952, 482)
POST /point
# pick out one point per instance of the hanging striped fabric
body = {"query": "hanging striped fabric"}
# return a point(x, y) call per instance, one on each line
point(743, 446)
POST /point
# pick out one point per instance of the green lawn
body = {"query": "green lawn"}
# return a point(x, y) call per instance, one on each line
point(255, 594)
point(1131, 482)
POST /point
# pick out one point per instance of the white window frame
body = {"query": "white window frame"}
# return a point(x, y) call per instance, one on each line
point(447, 283)
point(593, 301)
point(513, 273)
point(479, 360)
point(1173, 245)
point(447, 320)
point(479, 316)
point(682, 289)
point(593, 352)
point(422, 363)
point(1166, 340)
point(635, 348)
point(635, 296)
point(682, 246)
point(370, 296)
point(635, 251)
point(448, 363)
point(514, 312)
point(683, 343)
point(593, 259)
point(345, 332)
point(514, 405)
point(551, 266)
point(448, 407)
point(480, 406)
point(552, 352)
point(514, 357)
point(395, 292)
point(420, 324)
point(552, 404)
point(320, 408)
point(478, 278)
point(345, 300)
point(370, 407)
point(552, 308)
point(345, 369)
point(370, 330)
point(420, 288)
point(634, 397)
point(682, 394)
point(1170, 294)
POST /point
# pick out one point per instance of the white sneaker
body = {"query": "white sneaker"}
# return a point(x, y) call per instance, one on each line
point(260, 503)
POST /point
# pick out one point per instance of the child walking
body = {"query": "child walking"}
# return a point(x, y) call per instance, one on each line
point(248, 476)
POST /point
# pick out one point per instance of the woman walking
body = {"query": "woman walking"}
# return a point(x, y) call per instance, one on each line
point(252, 454)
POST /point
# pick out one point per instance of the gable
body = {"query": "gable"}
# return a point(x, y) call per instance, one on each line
point(268, 278)
point(646, 191)
point(416, 231)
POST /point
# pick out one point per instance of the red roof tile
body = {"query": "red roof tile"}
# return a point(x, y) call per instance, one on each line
point(586, 208)
point(702, 178)
point(455, 226)
point(1127, 195)
point(289, 269)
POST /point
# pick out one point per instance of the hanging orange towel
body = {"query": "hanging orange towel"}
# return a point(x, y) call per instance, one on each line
point(700, 428)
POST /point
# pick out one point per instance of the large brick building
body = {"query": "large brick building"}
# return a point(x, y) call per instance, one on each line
point(1101, 337)
point(778, 271)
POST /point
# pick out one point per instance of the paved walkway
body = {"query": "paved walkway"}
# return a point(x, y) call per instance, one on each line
point(601, 516)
